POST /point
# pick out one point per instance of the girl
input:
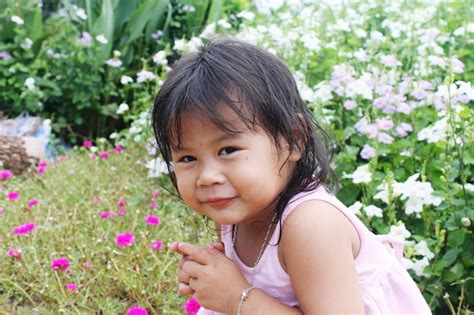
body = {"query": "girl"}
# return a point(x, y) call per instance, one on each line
point(243, 149)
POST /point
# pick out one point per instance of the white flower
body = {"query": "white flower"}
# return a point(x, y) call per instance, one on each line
point(466, 222)
point(266, 6)
point(399, 231)
point(224, 24)
point(180, 45)
point(156, 167)
point(188, 8)
point(373, 211)
point(27, 43)
point(355, 208)
point(422, 249)
point(194, 44)
point(469, 187)
point(160, 58)
point(145, 75)
point(417, 194)
point(435, 133)
point(101, 39)
point(94, 149)
point(113, 135)
point(361, 175)
point(17, 20)
point(420, 265)
point(114, 63)
point(310, 41)
point(247, 15)
point(125, 79)
point(122, 109)
point(81, 14)
point(30, 83)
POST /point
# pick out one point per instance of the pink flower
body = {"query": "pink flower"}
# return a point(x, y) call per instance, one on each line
point(5, 174)
point(156, 245)
point(121, 203)
point(71, 287)
point(191, 306)
point(14, 253)
point(104, 155)
point(153, 204)
point(107, 215)
point(137, 311)
point(41, 170)
point(92, 156)
point(152, 220)
point(95, 201)
point(2, 212)
point(13, 195)
point(87, 265)
point(118, 149)
point(43, 164)
point(122, 211)
point(87, 144)
point(32, 202)
point(155, 194)
point(60, 264)
point(24, 229)
point(125, 239)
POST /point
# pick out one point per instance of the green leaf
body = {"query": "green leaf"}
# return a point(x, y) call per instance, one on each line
point(454, 273)
point(35, 25)
point(105, 25)
point(450, 256)
point(456, 238)
point(215, 11)
point(348, 194)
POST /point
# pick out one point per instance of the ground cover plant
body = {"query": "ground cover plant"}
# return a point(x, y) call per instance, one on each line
point(89, 234)
point(390, 81)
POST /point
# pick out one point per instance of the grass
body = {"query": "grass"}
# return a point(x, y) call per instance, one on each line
point(68, 224)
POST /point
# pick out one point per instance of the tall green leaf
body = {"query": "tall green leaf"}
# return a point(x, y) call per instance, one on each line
point(105, 25)
point(215, 11)
point(157, 19)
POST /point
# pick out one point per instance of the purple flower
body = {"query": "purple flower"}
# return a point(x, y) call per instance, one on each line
point(384, 138)
point(5, 55)
point(367, 152)
point(85, 39)
point(24, 229)
point(137, 311)
point(124, 239)
point(384, 123)
point(191, 307)
point(350, 104)
point(404, 129)
point(60, 264)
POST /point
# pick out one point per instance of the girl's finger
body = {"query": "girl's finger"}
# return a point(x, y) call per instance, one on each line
point(192, 269)
point(196, 253)
point(183, 277)
point(185, 289)
point(217, 245)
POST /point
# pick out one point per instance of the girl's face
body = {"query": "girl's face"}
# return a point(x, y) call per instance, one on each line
point(230, 178)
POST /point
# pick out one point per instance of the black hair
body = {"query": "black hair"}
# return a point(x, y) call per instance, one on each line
point(261, 90)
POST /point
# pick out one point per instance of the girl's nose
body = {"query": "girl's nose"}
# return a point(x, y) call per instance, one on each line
point(209, 176)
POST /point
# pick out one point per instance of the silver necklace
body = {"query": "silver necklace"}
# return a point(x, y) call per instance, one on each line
point(234, 235)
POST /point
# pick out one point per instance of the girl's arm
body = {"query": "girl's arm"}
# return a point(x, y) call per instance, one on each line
point(317, 249)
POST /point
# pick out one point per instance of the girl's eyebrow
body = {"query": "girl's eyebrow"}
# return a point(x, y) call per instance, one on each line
point(223, 137)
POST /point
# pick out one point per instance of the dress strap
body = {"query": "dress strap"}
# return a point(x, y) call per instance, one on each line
point(393, 244)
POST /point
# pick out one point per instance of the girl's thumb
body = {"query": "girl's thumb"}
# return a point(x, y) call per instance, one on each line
point(218, 246)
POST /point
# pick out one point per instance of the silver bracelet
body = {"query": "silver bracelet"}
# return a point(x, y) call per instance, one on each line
point(243, 297)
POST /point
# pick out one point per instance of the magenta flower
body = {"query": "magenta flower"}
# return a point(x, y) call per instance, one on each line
point(191, 307)
point(122, 211)
point(87, 144)
point(107, 215)
point(32, 202)
point(43, 164)
point(121, 203)
point(155, 194)
point(104, 155)
point(153, 204)
point(14, 253)
point(24, 229)
point(5, 174)
point(156, 245)
point(41, 170)
point(71, 287)
point(118, 149)
point(152, 220)
point(13, 195)
point(60, 264)
point(137, 311)
point(124, 239)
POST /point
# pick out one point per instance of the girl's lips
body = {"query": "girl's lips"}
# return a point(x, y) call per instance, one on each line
point(219, 203)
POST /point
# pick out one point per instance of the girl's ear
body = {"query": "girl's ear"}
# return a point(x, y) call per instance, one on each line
point(300, 138)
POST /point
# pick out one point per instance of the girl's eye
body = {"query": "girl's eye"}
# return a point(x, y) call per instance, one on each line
point(227, 150)
point(186, 159)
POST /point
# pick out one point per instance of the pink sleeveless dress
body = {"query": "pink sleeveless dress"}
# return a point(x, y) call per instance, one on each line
point(386, 286)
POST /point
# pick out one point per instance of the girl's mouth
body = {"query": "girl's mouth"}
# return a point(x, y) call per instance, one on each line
point(220, 203)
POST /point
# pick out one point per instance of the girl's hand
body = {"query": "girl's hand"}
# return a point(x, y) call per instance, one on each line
point(215, 279)
point(183, 278)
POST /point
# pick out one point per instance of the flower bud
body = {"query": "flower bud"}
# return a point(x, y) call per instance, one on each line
point(466, 222)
